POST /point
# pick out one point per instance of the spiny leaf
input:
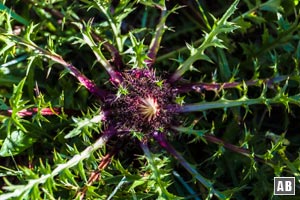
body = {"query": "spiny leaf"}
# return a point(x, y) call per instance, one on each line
point(17, 104)
point(15, 143)
point(210, 39)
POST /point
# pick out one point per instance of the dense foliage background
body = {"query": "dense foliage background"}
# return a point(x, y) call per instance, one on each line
point(245, 134)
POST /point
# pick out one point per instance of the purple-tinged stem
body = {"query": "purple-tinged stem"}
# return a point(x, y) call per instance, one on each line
point(115, 76)
point(31, 111)
point(87, 83)
point(155, 43)
point(160, 138)
point(115, 54)
point(213, 139)
point(96, 175)
point(232, 147)
point(116, 57)
point(201, 87)
point(51, 111)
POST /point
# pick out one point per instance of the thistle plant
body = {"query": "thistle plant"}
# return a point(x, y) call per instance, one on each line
point(153, 109)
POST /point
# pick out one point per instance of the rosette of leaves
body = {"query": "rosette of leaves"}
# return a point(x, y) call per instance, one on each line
point(181, 110)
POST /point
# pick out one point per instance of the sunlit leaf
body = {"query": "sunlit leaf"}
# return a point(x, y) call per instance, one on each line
point(15, 143)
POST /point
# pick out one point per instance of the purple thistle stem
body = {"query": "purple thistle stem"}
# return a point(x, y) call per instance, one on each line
point(115, 54)
point(200, 87)
point(160, 138)
point(43, 111)
point(115, 76)
point(155, 42)
point(51, 111)
point(87, 83)
point(116, 58)
point(232, 147)
point(32, 111)
point(213, 139)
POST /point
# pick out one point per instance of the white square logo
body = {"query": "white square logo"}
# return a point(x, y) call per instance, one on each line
point(284, 185)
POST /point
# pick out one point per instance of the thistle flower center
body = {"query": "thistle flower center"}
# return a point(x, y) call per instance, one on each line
point(142, 105)
point(149, 108)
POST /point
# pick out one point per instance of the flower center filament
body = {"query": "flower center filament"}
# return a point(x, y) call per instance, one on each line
point(149, 108)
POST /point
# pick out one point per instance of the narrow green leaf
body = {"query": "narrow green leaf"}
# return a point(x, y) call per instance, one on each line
point(13, 14)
